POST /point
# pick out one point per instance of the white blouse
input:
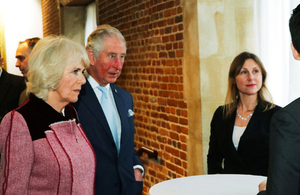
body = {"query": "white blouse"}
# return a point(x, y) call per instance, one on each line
point(236, 135)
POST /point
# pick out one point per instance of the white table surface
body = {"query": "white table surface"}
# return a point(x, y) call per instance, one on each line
point(220, 184)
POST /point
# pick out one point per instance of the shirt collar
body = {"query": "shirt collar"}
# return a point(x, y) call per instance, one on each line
point(93, 82)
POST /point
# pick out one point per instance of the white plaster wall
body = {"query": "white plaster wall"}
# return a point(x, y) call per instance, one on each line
point(73, 23)
point(225, 30)
point(22, 19)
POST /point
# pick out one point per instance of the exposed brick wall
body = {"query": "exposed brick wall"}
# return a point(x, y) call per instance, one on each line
point(51, 17)
point(153, 74)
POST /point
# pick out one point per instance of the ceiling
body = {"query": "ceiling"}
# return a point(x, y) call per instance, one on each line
point(76, 2)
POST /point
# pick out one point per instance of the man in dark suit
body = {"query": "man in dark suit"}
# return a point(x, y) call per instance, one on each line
point(284, 164)
point(11, 87)
point(107, 117)
point(22, 55)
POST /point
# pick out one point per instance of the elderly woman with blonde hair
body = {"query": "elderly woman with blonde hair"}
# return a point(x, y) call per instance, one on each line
point(43, 147)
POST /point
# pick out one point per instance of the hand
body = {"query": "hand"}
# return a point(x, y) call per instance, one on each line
point(262, 186)
point(138, 175)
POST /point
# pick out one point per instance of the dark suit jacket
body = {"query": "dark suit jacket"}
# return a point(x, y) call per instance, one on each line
point(284, 170)
point(11, 86)
point(252, 155)
point(114, 175)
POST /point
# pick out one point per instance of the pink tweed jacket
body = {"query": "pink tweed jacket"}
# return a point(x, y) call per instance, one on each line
point(45, 153)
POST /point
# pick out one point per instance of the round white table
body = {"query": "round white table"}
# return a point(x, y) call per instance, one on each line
point(220, 184)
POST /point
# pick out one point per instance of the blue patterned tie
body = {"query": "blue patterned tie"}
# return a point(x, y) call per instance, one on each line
point(108, 110)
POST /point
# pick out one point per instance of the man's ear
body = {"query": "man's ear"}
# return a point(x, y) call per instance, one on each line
point(295, 52)
point(91, 56)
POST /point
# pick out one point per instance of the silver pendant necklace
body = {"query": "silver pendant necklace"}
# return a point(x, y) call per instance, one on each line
point(246, 118)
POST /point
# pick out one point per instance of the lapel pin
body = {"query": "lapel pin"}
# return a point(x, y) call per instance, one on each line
point(130, 113)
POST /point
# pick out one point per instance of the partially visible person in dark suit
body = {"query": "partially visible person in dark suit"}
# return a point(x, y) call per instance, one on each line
point(284, 169)
point(22, 55)
point(240, 128)
point(11, 86)
point(106, 114)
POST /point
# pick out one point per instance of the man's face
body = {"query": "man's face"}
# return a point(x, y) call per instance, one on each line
point(107, 68)
point(22, 56)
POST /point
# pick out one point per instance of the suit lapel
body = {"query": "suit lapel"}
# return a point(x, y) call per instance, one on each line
point(252, 125)
point(122, 110)
point(226, 136)
point(229, 130)
point(88, 97)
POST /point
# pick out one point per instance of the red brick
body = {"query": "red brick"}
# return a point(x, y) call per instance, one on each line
point(163, 86)
point(174, 136)
point(165, 39)
point(179, 53)
point(169, 62)
point(179, 10)
point(179, 170)
point(177, 162)
point(167, 13)
point(170, 166)
point(169, 46)
point(184, 165)
point(172, 54)
point(184, 113)
point(183, 138)
point(161, 101)
point(177, 2)
point(183, 121)
point(173, 119)
point(171, 21)
point(153, 173)
point(182, 104)
point(172, 86)
point(183, 146)
point(172, 38)
point(164, 93)
point(163, 54)
point(172, 102)
point(174, 11)
point(184, 130)
point(179, 36)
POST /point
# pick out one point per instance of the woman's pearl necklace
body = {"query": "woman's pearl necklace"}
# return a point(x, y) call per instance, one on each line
point(244, 119)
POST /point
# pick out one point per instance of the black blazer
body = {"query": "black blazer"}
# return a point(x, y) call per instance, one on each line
point(11, 86)
point(252, 155)
point(284, 170)
point(114, 174)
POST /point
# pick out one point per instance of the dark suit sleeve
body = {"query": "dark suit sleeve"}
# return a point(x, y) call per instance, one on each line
point(214, 157)
point(262, 193)
point(136, 158)
point(284, 165)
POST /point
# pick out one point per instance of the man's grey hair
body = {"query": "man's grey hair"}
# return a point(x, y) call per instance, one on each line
point(95, 41)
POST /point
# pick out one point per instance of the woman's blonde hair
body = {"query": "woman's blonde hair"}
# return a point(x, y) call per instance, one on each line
point(47, 62)
point(233, 96)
